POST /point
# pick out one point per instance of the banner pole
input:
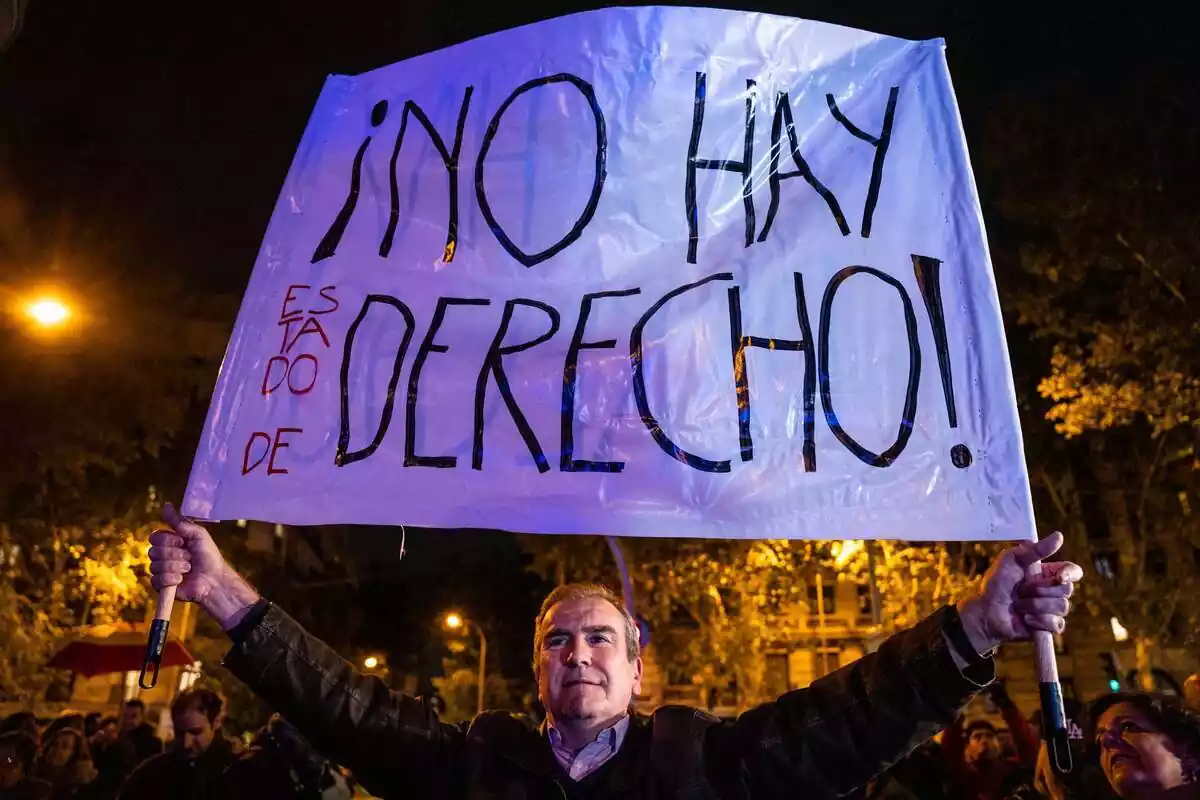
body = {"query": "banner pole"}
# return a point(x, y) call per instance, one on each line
point(157, 639)
point(1054, 713)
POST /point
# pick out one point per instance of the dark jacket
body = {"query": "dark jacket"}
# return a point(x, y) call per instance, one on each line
point(114, 761)
point(256, 775)
point(145, 741)
point(172, 775)
point(260, 773)
point(819, 742)
point(28, 789)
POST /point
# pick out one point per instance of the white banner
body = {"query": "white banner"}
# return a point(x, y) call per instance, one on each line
point(638, 271)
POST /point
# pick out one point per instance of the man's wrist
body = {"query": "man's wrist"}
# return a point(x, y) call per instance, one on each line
point(229, 600)
point(970, 615)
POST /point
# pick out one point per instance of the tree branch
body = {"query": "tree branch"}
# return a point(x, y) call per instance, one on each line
point(1141, 259)
point(1055, 496)
point(1141, 512)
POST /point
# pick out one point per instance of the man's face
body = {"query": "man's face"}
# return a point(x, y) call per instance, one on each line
point(982, 746)
point(193, 733)
point(584, 671)
point(131, 717)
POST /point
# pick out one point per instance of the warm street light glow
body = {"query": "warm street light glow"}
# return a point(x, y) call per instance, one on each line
point(846, 551)
point(371, 662)
point(453, 621)
point(1120, 634)
point(48, 312)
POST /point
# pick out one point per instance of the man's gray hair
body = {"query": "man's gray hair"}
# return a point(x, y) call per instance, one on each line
point(585, 591)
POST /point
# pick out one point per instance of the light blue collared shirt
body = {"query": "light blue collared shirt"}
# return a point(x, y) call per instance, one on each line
point(593, 756)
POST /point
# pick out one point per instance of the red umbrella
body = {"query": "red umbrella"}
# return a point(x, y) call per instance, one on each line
point(121, 651)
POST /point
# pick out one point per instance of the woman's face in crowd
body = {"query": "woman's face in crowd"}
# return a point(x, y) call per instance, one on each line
point(1136, 756)
point(60, 749)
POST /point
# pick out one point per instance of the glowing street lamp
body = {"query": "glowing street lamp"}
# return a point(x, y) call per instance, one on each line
point(47, 312)
point(453, 621)
point(370, 662)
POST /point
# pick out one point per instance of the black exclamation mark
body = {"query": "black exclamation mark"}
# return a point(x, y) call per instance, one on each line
point(333, 236)
point(928, 272)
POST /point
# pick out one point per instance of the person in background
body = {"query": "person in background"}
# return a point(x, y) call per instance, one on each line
point(65, 761)
point(17, 753)
point(107, 730)
point(198, 755)
point(281, 763)
point(1008, 748)
point(67, 719)
point(973, 755)
point(1149, 745)
point(23, 722)
point(113, 757)
point(138, 732)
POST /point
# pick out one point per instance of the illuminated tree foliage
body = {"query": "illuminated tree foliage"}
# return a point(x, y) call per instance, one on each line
point(1095, 183)
point(47, 593)
point(1098, 252)
point(93, 415)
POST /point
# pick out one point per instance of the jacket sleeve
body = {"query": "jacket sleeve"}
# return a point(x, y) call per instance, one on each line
point(394, 744)
point(836, 735)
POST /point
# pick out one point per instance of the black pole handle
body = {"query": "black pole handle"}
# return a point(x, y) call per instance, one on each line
point(155, 645)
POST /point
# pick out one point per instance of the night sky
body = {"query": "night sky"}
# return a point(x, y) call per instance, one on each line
point(172, 130)
point(166, 130)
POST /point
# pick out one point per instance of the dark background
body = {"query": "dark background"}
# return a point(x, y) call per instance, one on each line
point(172, 127)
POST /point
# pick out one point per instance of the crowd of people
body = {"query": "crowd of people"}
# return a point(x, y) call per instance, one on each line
point(886, 726)
point(1135, 746)
point(1130, 745)
point(90, 757)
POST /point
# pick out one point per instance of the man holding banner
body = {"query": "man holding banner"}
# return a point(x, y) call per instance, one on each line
point(710, 274)
point(822, 741)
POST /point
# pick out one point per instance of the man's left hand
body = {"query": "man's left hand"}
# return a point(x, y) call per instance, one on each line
point(1011, 606)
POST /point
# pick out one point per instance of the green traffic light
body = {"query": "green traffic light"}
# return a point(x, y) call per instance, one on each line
point(1114, 685)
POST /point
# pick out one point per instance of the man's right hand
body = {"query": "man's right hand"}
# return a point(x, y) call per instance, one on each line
point(185, 556)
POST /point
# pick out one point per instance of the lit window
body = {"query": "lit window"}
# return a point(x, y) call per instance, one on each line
point(188, 676)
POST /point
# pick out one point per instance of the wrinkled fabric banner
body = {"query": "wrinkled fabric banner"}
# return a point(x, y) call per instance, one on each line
point(638, 271)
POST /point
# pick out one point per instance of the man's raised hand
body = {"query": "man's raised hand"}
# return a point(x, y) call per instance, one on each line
point(184, 555)
point(1010, 605)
